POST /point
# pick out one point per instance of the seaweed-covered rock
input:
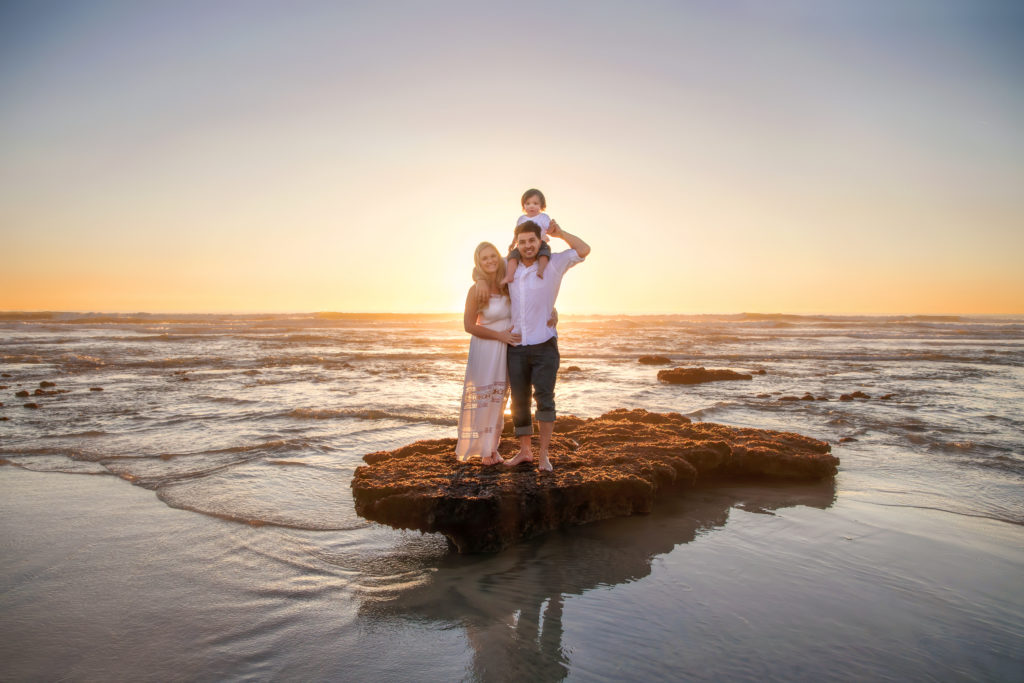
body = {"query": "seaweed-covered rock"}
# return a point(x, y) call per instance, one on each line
point(698, 375)
point(611, 466)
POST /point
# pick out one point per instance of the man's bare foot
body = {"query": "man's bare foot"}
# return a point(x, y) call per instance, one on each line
point(523, 456)
point(543, 463)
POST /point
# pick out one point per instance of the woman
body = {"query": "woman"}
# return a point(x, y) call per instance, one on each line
point(483, 395)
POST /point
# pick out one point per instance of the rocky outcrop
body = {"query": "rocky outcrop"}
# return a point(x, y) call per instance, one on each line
point(698, 375)
point(653, 360)
point(611, 466)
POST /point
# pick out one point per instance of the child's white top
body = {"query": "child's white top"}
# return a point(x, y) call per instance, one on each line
point(541, 219)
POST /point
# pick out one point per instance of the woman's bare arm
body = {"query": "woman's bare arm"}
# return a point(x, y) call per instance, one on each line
point(469, 323)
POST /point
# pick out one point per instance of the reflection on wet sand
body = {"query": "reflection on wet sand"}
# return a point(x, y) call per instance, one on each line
point(510, 604)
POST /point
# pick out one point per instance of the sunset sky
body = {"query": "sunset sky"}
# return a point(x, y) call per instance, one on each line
point(830, 157)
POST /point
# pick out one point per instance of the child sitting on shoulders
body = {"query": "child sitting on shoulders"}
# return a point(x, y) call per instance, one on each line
point(533, 204)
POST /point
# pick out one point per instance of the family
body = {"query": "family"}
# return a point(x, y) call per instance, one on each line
point(510, 311)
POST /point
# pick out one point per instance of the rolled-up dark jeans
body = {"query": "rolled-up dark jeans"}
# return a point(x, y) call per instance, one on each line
point(536, 366)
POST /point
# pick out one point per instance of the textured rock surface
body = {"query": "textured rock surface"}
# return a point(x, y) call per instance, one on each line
point(611, 466)
point(654, 360)
point(698, 375)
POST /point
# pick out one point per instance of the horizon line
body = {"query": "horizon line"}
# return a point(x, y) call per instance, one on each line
point(12, 313)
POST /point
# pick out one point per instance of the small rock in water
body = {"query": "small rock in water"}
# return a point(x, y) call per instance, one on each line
point(760, 371)
point(654, 360)
point(573, 368)
point(4, 386)
point(21, 394)
point(764, 396)
point(886, 397)
point(32, 405)
point(807, 397)
point(789, 398)
point(95, 388)
point(698, 375)
point(47, 384)
point(859, 394)
point(846, 397)
point(4, 419)
point(822, 398)
point(847, 439)
point(6, 374)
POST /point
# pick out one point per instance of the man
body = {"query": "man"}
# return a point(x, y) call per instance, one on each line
point(533, 363)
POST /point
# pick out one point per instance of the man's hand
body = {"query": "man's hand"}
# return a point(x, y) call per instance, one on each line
point(483, 292)
point(554, 230)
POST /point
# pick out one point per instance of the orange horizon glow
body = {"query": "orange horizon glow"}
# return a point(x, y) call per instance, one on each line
point(848, 161)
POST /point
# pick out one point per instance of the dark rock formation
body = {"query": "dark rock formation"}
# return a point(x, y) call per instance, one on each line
point(847, 439)
point(789, 398)
point(807, 397)
point(32, 405)
point(654, 360)
point(6, 374)
point(572, 368)
point(95, 388)
point(886, 397)
point(46, 385)
point(611, 466)
point(50, 392)
point(22, 394)
point(698, 375)
point(760, 371)
point(856, 394)
point(763, 396)
point(4, 386)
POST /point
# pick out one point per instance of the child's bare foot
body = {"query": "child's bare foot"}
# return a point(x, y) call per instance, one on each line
point(521, 457)
point(543, 463)
point(509, 278)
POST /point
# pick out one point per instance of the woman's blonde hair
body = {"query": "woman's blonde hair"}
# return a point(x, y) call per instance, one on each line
point(478, 270)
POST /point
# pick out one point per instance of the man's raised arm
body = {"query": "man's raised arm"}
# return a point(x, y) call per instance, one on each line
point(574, 242)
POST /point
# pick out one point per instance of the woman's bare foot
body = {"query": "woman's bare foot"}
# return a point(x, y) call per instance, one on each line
point(523, 456)
point(543, 463)
point(492, 459)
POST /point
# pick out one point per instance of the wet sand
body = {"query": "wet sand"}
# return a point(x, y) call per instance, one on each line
point(101, 581)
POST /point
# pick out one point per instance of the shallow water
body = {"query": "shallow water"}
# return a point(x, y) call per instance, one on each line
point(262, 420)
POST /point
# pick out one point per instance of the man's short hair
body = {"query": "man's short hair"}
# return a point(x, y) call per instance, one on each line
point(528, 226)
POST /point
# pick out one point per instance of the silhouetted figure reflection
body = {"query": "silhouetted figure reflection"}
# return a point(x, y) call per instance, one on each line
point(511, 603)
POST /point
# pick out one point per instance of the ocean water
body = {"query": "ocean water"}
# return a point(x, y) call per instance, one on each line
point(258, 421)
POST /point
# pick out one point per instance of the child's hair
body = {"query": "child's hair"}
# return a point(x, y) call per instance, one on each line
point(478, 269)
point(532, 192)
point(528, 226)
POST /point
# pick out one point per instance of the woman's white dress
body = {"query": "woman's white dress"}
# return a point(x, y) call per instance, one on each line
point(483, 395)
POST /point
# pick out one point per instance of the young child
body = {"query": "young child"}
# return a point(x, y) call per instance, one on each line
point(533, 204)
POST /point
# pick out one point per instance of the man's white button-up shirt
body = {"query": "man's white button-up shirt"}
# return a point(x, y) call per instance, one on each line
point(533, 298)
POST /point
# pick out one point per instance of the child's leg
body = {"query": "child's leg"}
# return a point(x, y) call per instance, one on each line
point(543, 256)
point(510, 270)
point(542, 263)
point(513, 263)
